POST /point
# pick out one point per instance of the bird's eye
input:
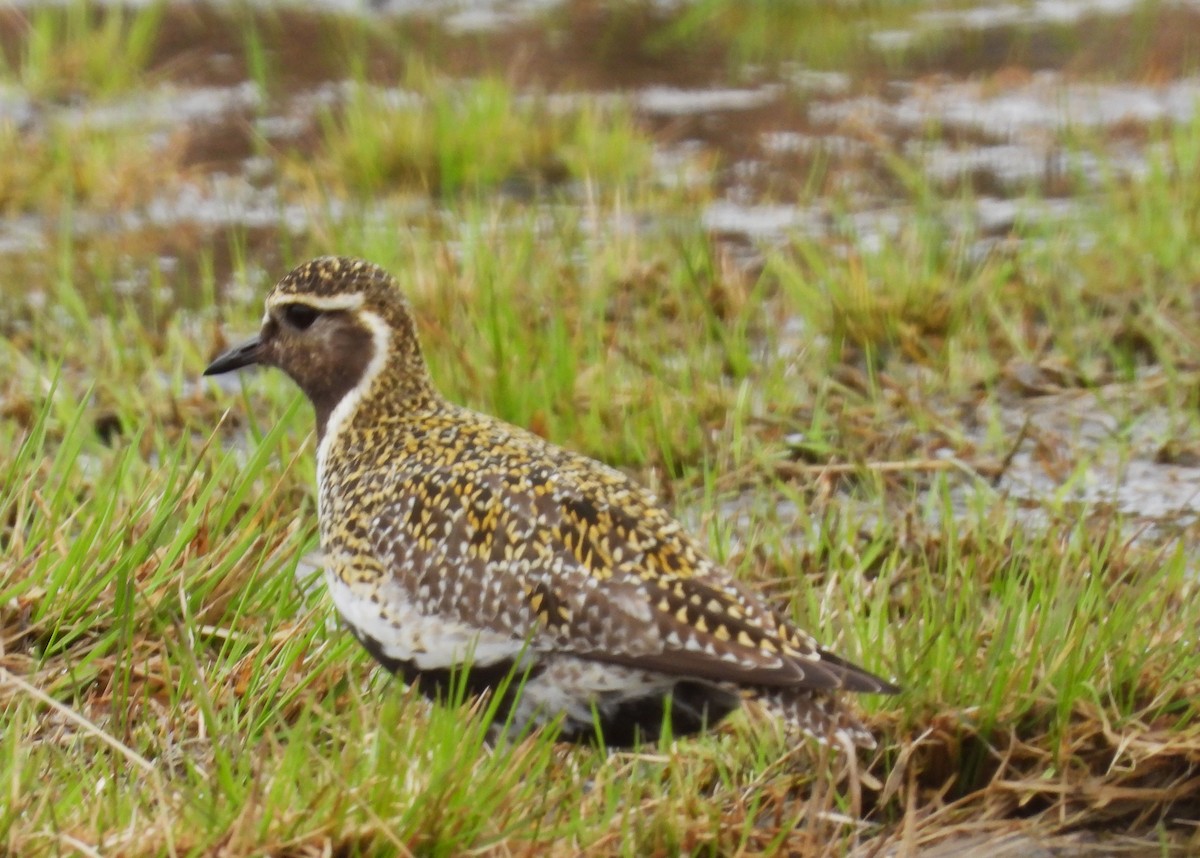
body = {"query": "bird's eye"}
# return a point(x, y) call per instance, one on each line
point(300, 316)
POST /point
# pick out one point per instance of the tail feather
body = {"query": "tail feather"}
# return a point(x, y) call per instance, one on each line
point(818, 714)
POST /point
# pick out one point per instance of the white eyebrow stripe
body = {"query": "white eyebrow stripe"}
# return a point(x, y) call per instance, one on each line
point(330, 302)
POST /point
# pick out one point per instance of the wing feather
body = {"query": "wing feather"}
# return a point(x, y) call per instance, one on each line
point(588, 563)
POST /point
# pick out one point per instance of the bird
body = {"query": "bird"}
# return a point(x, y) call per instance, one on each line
point(459, 546)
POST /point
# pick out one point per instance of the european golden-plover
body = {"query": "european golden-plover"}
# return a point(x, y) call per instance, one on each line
point(453, 538)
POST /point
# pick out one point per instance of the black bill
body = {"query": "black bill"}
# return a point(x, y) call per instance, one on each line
point(236, 358)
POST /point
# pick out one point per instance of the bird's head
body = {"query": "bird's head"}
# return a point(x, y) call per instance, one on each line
point(334, 325)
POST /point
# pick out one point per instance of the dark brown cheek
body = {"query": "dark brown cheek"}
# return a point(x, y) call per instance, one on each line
point(323, 376)
point(292, 356)
point(343, 360)
point(338, 361)
point(268, 352)
point(352, 347)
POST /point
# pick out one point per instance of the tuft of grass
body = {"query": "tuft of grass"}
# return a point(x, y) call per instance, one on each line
point(1100, 298)
point(46, 169)
point(83, 50)
point(816, 35)
point(446, 137)
point(904, 298)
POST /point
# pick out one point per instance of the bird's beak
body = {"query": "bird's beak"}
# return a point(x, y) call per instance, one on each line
point(237, 357)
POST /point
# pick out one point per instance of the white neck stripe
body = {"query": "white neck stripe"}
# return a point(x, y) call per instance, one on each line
point(381, 340)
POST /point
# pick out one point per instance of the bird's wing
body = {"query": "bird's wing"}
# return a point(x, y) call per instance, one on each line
point(684, 613)
point(586, 563)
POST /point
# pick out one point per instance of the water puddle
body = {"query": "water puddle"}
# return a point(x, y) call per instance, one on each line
point(1000, 135)
point(1099, 450)
point(978, 98)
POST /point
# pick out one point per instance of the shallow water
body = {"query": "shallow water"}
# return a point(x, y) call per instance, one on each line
point(994, 102)
point(1000, 129)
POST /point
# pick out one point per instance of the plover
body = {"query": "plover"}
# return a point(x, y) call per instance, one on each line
point(454, 539)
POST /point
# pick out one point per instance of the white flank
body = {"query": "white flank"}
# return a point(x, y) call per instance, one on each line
point(405, 634)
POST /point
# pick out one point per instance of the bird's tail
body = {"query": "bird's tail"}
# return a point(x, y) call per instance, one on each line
point(819, 714)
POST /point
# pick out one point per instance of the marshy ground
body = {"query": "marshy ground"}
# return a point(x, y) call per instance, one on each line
point(898, 304)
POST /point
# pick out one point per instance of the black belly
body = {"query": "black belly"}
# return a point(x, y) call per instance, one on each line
point(690, 707)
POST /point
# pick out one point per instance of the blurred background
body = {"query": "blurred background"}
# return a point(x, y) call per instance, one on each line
point(895, 303)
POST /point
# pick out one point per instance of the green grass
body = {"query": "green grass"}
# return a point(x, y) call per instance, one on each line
point(170, 686)
point(823, 36)
point(444, 137)
point(78, 49)
point(48, 169)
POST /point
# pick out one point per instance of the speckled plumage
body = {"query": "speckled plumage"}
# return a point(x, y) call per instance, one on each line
point(451, 536)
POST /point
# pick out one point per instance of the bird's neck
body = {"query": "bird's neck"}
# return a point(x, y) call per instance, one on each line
point(398, 388)
point(385, 374)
